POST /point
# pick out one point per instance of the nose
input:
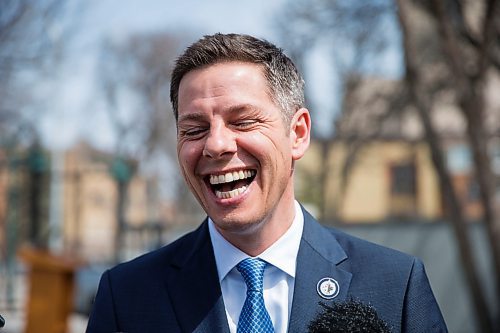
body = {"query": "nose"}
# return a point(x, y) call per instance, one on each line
point(219, 142)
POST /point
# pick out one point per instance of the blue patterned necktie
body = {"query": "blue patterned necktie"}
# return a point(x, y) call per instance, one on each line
point(254, 317)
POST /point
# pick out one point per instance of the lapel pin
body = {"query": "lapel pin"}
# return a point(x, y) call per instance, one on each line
point(328, 288)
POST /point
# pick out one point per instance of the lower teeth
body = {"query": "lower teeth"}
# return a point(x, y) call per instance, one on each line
point(230, 194)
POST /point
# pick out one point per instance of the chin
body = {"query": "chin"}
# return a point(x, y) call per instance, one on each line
point(239, 225)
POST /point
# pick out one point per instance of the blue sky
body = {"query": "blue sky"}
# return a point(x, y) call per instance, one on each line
point(248, 16)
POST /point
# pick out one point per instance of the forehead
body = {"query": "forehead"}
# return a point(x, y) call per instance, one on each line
point(223, 83)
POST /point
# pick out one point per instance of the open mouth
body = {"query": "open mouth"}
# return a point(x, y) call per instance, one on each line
point(230, 184)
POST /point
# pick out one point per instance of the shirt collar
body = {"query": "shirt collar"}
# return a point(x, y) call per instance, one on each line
point(282, 254)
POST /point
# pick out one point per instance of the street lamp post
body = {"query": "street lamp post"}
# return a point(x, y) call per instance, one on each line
point(122, 172)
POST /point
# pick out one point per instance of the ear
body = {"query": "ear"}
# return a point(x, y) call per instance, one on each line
point(300, 133)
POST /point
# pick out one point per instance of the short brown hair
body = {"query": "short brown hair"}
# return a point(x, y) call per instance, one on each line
point(286, 86)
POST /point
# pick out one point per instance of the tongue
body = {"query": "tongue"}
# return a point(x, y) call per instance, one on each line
point(227, 187)
point(232, 185)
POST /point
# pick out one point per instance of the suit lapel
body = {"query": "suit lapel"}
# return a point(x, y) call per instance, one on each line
point(318, 258)
point(195, 290)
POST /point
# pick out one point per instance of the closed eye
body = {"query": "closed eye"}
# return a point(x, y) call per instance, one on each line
point(245, 123)
point(193, 132)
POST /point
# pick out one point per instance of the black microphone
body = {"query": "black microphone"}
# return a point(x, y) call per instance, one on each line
point(2, 321)
point(348, 317)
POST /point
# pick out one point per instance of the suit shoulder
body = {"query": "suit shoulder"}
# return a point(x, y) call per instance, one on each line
point(357, 248)
point(165, 256)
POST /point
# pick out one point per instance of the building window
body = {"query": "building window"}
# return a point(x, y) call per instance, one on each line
point(403, 190)
point(403, 179)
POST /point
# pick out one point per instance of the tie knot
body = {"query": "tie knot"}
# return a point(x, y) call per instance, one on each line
point(252, 270)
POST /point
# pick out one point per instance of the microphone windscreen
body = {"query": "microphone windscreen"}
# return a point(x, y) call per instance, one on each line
point(348, 317)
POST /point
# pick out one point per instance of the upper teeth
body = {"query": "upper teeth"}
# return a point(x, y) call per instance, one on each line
point(231, 176)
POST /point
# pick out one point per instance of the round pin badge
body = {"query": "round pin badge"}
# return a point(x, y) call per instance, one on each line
point(328, 288)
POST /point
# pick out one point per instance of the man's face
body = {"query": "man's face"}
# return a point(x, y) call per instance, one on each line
point(234, 149)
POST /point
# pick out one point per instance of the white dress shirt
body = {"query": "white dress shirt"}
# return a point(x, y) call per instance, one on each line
point(279, 275)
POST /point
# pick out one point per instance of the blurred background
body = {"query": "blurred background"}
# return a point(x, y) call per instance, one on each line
point(405, 103)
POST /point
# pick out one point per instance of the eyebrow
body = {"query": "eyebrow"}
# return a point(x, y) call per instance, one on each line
point(196, 116)
point(241, 107)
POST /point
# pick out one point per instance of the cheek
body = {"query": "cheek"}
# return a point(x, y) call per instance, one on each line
point(271, 151)
point(261, 143)
point(188, 161)
point(188, 156)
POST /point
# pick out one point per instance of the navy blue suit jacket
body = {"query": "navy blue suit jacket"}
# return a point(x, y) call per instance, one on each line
point(176, 288)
